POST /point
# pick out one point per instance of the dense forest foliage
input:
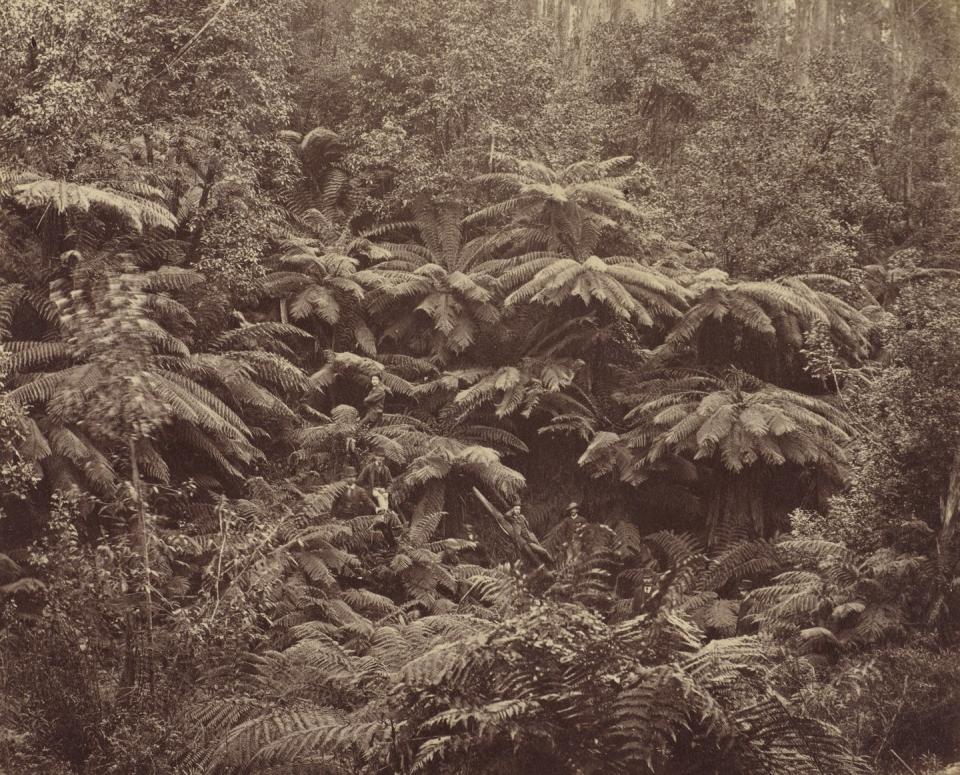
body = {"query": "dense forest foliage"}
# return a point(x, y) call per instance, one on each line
point(385, 390)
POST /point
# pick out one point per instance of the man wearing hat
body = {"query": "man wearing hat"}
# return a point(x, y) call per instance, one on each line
point(354, 501)
point(572, 528)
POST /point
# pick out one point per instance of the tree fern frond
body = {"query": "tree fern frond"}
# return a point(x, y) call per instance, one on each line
point(64, 196)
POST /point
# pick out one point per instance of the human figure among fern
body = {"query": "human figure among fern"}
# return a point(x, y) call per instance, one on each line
point(389, 523)
point(572, 526)
point(516, 527)
point(648, 591)
point(376, 473)
point(354, 501)
point(373, 403)
point(382, 499)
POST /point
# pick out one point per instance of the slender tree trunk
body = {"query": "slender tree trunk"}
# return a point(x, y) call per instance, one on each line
point(144, 539)
point(208, 179)
point(908, 179)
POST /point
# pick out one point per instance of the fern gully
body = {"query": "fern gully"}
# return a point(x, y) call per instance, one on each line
point(407, 387)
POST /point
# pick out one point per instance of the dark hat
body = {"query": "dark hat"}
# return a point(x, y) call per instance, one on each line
point(349, 472)
point(572, 506)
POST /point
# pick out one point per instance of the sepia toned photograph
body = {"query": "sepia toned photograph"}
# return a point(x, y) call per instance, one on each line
point(479, 387)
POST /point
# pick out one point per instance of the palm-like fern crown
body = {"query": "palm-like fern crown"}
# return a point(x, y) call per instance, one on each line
point(319, 149)
point(52, 223)
point(343, 436)
point(738, 420)
point(781, 310)
point(832, 599)
point(117, 374)
point(623, 286)
point(316, 284)
point(512, 389)
point(140, 205)
point(556, 218)
point(360, 368)
point(443, 467)
point(555, 210)
point(542, 357)
point(431, 468)
point(438, 274)
point(437, 228)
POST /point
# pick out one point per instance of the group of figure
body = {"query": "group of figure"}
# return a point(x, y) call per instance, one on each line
point(514, 524)
point(368, 494)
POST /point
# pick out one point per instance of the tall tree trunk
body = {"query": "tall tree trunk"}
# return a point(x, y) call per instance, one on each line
point(949, 505)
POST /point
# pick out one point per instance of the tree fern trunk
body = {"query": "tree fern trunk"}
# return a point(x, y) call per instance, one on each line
point(52, 228)
point(737, 500)
point(598, 369)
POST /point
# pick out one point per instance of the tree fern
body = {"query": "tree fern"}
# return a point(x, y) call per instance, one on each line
point(777, 312)
point(514, 388)
point(325, 192)
point(739, 424)
point(314, 285)
point(340, 365)
point(129, 371)
point(550, 209)
point(436, 277)
point(625, 287)
point(64, 196)
point(852, 602)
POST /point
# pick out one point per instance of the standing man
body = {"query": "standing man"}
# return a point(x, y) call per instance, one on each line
point(373, 403)
point(376, 473)
point(574, 527)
